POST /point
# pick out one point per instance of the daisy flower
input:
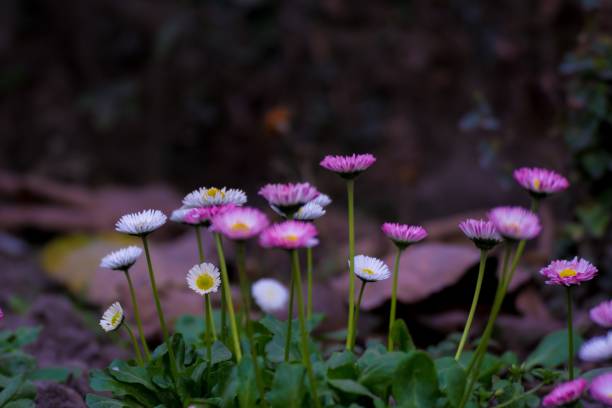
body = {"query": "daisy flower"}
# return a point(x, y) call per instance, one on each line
point(204, 215)
point(240, 223)
point(309, 212)
point(313, 242)
point(288, 235)
point(601, 388)
point(270, 295)
point(565, 393)
point(481, 232)
point(515, 223)
point(122, 259)
point(204, 278)
point(179, 214)
point(206, 197)
point(112, 317)
point(370, 269)
point(597, 349)
point(141, 223)
point(289, 197)
point(403, 235)
point(348, 166)
point(322, 199)
point(540, 182)
point(602, 314)
point(568, 273)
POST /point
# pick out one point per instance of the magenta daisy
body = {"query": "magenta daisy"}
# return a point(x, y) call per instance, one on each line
point(481, 232)
point(565, 393)
point(240, 223)
point(515, 223)
point(540, 182)
point(289, 197)
point(348, 166)
point(403, 235)
point(602, 314)
point(568, 273)
point(288, 235)
point(601, 388)
point(204, 215)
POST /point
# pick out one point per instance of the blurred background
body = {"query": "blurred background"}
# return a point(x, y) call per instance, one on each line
point(109, 106)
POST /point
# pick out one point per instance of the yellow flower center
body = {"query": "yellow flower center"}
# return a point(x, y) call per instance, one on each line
point(213, 191)
point(205, 282)
point(515, 227)
point(368, 271)
point(115, 319)
point(291, 237)
point(567, 273)
point(537, 183)
point(240, 226)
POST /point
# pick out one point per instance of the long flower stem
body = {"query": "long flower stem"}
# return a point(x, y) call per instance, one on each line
point(198, 233)
point(210, 321)
point(520, 397)
point(570, 334)
point(143, 340)
point(137, 354)
point(304, 334)
point(160, 312)
point(392, 312)
point(209, 335)
point(289, 320)
point(357, 307)
point(468, 324)
point(350, 188)
point(309, 280)
point(225, 284)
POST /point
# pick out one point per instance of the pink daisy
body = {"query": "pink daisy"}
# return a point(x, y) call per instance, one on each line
point(601, 388)
point(515, 223)
point(540, 182)
point(204, 215)
point(288, 235)
point(348, 166)
point(481, 232)
point(602, 314)
point(240, 223)
point(289, 197)
point(403, 235)
point(565, 393)
point(568, 273)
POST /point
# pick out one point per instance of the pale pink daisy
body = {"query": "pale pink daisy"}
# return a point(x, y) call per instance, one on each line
point(240, 223)
point(540, 182)
point(210, 196)
point(289, 197)
point(602, 314)
point(288, 235)
point(402, 234)
point(515, 223)
point(481, 232)
point(565, 393)
point(597, 349)
point(204, 215)
point(601, 388)
point(568, 273)
point(348, 166)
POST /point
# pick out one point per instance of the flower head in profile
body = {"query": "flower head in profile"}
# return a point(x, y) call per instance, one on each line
point(370, 269)
point(122, 259)
point(403, 235)
point(288, 197)
point(568, 273)
point(240, 223)
point(481, 232)
point(601, 388)
point(597, 349)
point(141, 223)
point(540, 182)
point(288, 235)
point(309, 212)
point(112, 317)
point(209, 196)
point(515, 223)
point(204, 215)
point(204, 278)
point(565, 393)
point(322, 199)
point(313, 242)
point(270, 295)
point(348, 166)
point(179, 215)
point(602, 314)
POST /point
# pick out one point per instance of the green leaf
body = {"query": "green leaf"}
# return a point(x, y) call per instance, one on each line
point(415, 383)
point(58, 374)
point(20, 403)
point(125, 373)
point(452, 379)
point(341, 364)
point(11, 389)
point(591, 374)
point(247, 387)
point(101, 381)
point(351, 387)
point(381, 370)
point(402, 340)
point(552, 350)
point(96, 401)
point(287, 387)
point(595, 218)
point(220, 353)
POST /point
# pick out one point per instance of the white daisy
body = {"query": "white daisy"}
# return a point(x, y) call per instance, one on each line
point(309, 212)
point(370, 269)
point(597, 349)
point(179, 214)
point(206, 197)
point(270, 295)
point(204, 278)
point(112, 317)
point(122, 259)
point(322, 199)
point(141, 223)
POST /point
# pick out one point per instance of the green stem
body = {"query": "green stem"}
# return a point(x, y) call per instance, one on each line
point(570, 334)
point(210, 322)
point(392, 312)
point(134, 343)
point(535, 205)
point(309, 278)
point(304, 334)
point(468, 324)
point(200, 246)
point(357, 307)
point(289, 320)
point(209, 333)
point(519, 397)
point(225, 284)
point(350, 187)
point(143, 340)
